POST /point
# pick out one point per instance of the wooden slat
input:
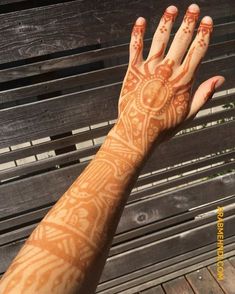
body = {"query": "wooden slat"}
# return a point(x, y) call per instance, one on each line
point(141, 239)
point(202, 281)
point(164, 271)
point(161, 224)
point(55, 64)
point(140, 257)
point(83, 136)
point(227, 284)
point(213, 139)
point(88, 151)
point(163, 230)
point(34, 190)
point(94, 133)
point(60, 179)
point(232, 261)
point(220, 100)
point(178, 285)
point(154, 290)
point(182, 180)
point(57, 115)
point(175, 202)
point(55, 144)
point(70, 25)
point(63, 113)
point(183, 168)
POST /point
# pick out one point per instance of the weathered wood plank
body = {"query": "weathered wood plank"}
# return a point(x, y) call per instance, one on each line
point(55, 64)
point(169, 151)
point(141, 239)
point(65, 113)
point(203, 282)
point(183, 168)
point(178, 285)
point(71, 111)
point(164, 223)
point(72, 156)
point(208, 172)
point(227, 284)
point(81, 23)
point(102, 131)
point(154, 290)
point(175, 202)
point(140, 257)
point(232, 261)
point(55, 144)
point(111, 74)
point(164, 271)
point(35, 195)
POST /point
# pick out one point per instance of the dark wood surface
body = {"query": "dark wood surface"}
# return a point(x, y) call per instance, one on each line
point(62, 71)
point(228, 283)
point(178, 285)
point(89, 22)
point(203, 282)
point(154, 290)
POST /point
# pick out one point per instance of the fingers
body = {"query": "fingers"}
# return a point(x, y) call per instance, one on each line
point(184, 35)
point(204, 93)
point(136, 44)
point(162, 34)
point(199, 46)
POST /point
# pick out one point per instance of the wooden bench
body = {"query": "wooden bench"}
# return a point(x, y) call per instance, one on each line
point(61, 68)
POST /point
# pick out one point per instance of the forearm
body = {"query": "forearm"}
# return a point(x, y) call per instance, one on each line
point(68, 249)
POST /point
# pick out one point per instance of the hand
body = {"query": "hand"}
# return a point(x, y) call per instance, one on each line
point(156, 93)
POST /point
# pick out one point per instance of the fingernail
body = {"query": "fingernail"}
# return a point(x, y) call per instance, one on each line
point(140, 20)
point(219, 82)
point(194, 8)
point(172, 9)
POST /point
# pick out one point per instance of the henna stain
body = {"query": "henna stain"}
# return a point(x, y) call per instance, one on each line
point(211, 92)
point(167, 17)
point(190, 19)
point(204, 29)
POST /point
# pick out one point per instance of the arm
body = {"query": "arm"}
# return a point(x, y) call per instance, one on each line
point(67, 251)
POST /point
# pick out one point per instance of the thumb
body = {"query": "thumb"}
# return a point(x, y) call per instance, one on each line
point(204, 93)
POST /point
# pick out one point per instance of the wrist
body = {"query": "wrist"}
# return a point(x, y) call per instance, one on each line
point(122, 149)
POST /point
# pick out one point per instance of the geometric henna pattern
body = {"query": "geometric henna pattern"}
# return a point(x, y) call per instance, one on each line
point(57, 255)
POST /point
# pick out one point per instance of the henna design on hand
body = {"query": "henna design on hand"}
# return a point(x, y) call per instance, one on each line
point(154, 101)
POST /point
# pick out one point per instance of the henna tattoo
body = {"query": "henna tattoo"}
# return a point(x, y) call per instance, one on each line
point(167, 17)
point(190, 18)
point(204, 29)
point(211, 92)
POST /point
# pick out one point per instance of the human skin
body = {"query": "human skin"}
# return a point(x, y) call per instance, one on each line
point(67, 251)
